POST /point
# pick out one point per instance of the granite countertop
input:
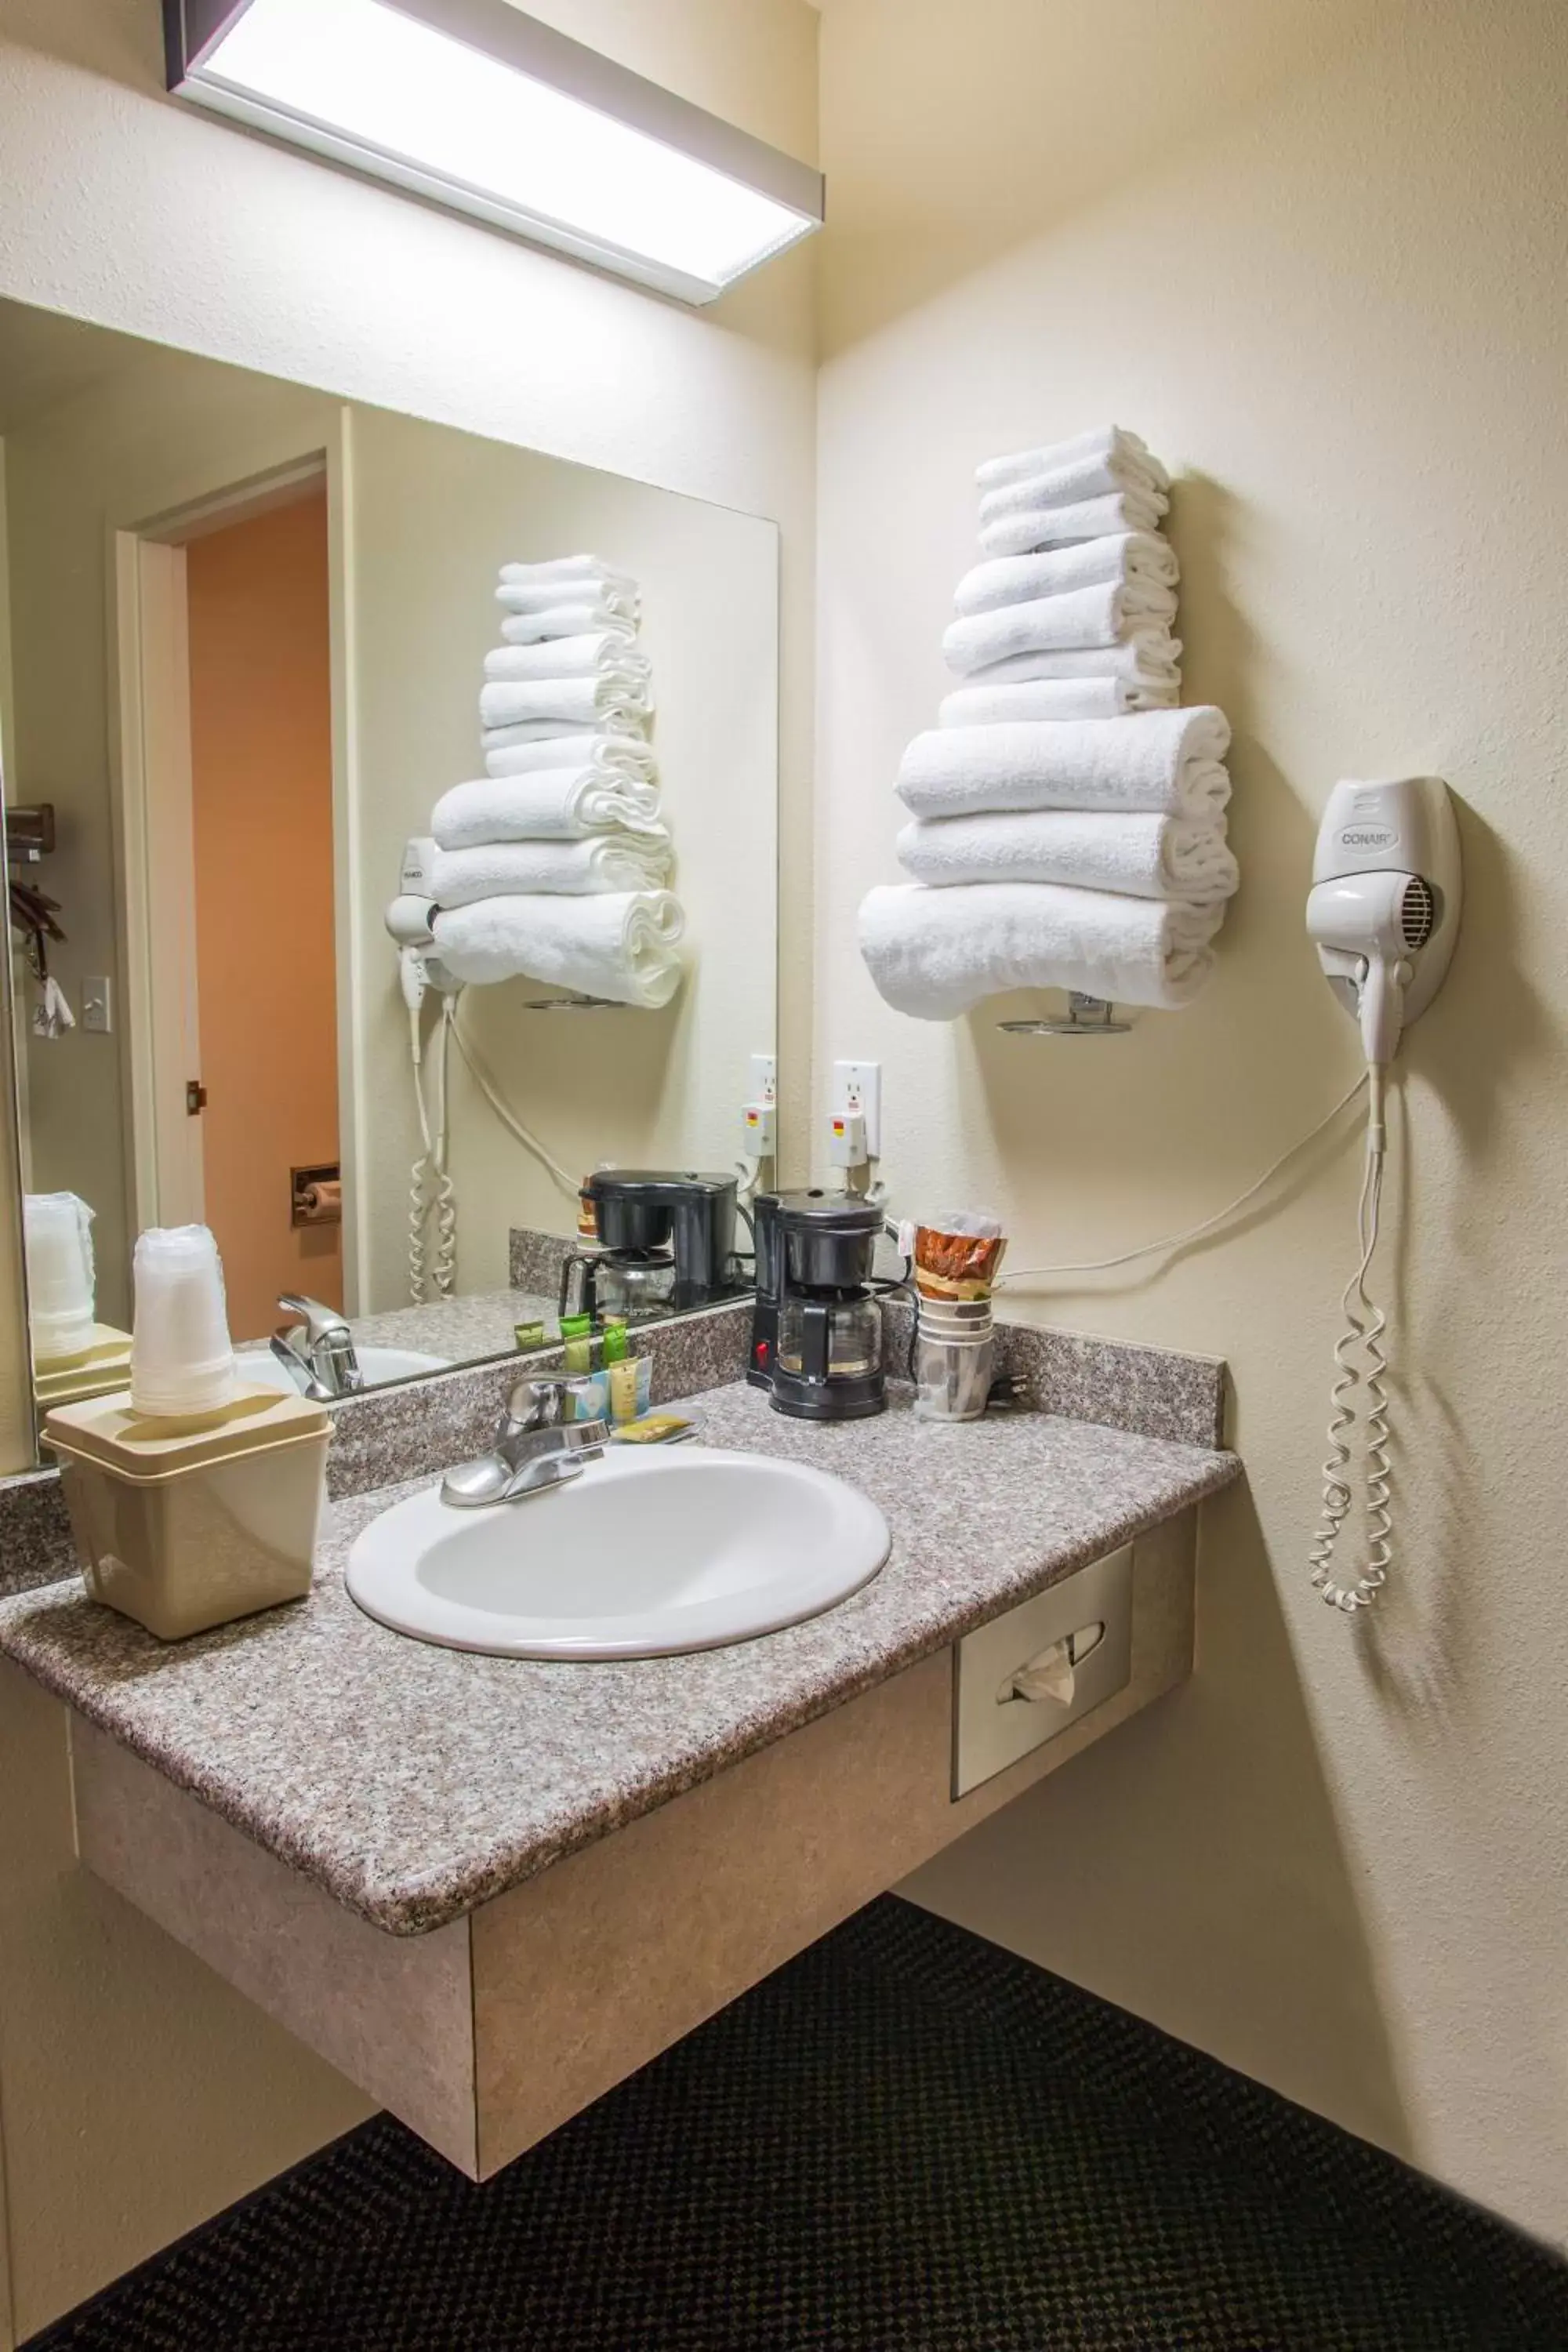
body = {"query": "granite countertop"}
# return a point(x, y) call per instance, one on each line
point(415, 1783)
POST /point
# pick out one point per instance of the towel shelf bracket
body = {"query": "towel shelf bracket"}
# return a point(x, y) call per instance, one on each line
point(1087, 1017)
point(574, 1004)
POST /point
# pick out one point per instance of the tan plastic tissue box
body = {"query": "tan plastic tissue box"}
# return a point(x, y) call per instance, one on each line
point(184, 1523)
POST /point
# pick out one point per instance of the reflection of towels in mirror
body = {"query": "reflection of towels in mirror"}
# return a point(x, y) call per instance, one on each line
point(602, 650)
point(546, 804)
point(497, 869)
point(620, 946)
point(548, 621)
point(619, 698)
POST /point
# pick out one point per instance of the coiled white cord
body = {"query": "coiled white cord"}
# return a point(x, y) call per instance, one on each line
point(1366, 1324)
point(430, 1176)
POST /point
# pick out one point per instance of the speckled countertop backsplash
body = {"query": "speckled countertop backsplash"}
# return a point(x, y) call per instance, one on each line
point(418, 1427)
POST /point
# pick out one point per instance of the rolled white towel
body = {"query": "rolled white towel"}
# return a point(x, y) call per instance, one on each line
point(1087, 849)
point(933, 953)
point(612, 723)
point(1020, 532)
point(557, 568)
point(1141, 555)
point(619, 755)
point(1080, 620)
point(621, 946)
point(567, 869)
point(603, 651)
point(1069, 486)
point(549, 805)
point(1112, 444)
point(1154, 762)
point(535, 628)
point(1148, 655)
point(618, 596)
point(615, 698)
point(1052, 697)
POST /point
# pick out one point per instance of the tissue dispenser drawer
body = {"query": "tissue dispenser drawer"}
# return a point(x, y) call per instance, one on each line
point(1026, 1676)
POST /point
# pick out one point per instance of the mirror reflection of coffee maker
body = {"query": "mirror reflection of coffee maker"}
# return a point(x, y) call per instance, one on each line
point(667, 1243)
point(816, 1335)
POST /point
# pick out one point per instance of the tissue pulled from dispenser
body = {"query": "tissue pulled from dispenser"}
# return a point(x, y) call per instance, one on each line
point(957, 1254)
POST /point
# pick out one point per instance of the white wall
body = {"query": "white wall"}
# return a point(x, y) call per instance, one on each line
point(1313, 252)
point(433, 514)
point(119, 208)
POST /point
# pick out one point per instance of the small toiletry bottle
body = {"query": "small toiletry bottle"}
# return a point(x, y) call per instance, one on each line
point(529, 1335)
point(613, 1339)
point(576, 1344)
point(631, 1387)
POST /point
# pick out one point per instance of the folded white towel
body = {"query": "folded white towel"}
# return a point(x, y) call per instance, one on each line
point(557, 568)
point(546, 621)
point(1088, 849)
point(1052, 697)
point(617, 594)
point(1141, 555)
point(1021, 533)
point(933, 953)
point(611, 721)
point(1156, 763)
point(549, 805)
point(621, 946)
point(618, 755)
point(1110, 443)
point(615, 697)
point(1086, 477)
point(605, 650)
point(1080, 620)
point(1148, 655)
point(568, 869)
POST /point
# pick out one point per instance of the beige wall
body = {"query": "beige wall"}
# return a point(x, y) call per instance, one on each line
point(1313, 251)
point(433, 515)
point(122, 208)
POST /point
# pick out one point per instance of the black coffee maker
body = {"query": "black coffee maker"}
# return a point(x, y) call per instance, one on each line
point(817, 1333)
point(667, 1243)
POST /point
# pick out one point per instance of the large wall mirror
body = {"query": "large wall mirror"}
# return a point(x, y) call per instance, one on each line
point(269, 663)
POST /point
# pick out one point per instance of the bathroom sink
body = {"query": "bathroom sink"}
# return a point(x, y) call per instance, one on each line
point(260, 1367)
point(645, 1554)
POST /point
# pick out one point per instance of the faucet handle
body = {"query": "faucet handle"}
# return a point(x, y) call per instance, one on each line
point(537, 1404)
point(321, 1322)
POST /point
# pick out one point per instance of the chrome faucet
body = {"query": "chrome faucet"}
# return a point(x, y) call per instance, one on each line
point(537, 1445)
point(319, 1349)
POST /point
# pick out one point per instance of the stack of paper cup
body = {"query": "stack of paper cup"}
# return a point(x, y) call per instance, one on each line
point(57, 1228)
point(182, 1358)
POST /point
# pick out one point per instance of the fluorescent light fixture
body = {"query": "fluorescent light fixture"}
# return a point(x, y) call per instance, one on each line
point(483, 108)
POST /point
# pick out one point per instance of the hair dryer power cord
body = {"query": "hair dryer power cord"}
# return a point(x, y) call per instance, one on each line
point(1366, 1324)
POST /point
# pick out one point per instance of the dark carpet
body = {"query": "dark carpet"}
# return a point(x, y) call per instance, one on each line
point(905, 2141)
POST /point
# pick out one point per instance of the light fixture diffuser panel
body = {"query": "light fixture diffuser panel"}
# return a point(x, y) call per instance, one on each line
point(472, 103)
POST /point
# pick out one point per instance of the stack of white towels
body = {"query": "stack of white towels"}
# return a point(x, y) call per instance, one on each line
point(555, 862)
point(1068, 819)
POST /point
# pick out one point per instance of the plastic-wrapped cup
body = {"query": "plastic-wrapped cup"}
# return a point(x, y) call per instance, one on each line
point(57, 1231)
point(182, 1358)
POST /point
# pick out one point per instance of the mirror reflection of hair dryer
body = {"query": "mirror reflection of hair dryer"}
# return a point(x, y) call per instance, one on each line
point(430, 1188)
point(1384, 914)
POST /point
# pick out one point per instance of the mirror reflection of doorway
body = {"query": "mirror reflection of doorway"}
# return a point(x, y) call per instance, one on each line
point(237, 777)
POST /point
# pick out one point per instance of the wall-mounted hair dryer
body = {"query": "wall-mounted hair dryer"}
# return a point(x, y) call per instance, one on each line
point(1384, 907)
point(1384, 914)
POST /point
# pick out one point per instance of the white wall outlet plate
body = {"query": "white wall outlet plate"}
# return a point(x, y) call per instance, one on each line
point(98, 1004)
point(858, 1094)
point(764, 1078)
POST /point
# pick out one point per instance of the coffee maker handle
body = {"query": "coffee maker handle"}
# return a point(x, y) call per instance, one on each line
point(588, 1303)
point(814, 1333)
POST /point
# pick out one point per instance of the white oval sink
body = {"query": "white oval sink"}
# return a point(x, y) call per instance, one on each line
point(644, 1554)
point(259, 1367)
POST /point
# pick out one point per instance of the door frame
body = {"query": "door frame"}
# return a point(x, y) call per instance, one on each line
point(151, 800)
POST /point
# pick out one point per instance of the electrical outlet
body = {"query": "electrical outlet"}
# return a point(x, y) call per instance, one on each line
point(858, 1094)
point(97, 1005)
point(764, 1078)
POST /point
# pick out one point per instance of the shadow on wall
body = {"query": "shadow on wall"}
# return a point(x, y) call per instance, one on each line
point(1075, 1871)
point(1030, 119)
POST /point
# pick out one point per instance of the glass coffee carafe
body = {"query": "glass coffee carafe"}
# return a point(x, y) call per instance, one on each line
point(830, 1336)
